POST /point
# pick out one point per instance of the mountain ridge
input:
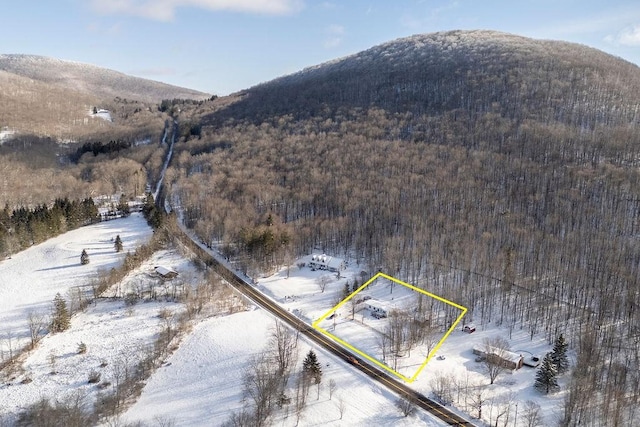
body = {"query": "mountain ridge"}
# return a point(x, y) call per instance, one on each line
point(456, 71)
point(89, 78)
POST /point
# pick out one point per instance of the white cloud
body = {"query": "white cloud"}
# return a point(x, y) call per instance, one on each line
point(335, 35)
point(629, 36)
point(164, 10)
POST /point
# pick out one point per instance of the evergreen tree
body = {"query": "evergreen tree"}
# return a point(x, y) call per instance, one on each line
point(123, 206)
point(546, 378)
point(559, 355)
point(311, 367)
point(118, 244)
point(84, 257)
point(347, 290)
point(60, 320)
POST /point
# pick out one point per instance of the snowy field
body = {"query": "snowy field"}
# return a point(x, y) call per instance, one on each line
point(201, 383)
point(29, 280)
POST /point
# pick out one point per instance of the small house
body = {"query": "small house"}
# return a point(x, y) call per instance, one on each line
point(165, 273)
point(506, 358)
point(377, 308)
point(325, 262)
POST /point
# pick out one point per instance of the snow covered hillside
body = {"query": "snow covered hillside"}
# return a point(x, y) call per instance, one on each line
point(29, 280)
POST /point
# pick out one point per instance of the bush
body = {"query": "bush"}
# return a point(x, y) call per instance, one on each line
point(82, 348)
point(94, 377)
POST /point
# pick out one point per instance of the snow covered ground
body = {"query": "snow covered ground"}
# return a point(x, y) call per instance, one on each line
point(29, 280)
point(200, 383)
point(203, 382)
point(301, 293)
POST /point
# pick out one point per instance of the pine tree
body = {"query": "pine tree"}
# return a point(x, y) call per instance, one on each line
point(559, 355)
point(546, 380)
point(311, 367)
point(84, 257)
point(123, 206)
point(118, 244)
point(60, 320)
point(347, 290)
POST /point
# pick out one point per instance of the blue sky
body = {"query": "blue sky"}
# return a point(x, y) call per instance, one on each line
point(221, 46)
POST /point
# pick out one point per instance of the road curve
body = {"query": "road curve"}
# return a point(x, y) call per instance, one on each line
point(266, 303)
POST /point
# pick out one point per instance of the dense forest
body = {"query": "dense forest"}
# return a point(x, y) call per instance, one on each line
point(494, 170)
point(24, 227)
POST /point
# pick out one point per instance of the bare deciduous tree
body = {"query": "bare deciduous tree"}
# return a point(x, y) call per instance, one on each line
point(342, 407)
point(405, 406)
point(261, 387)
point(284, 344)
point(532, 414)
point(495, 354)
point(332, 387)
point(323, 281)
point(37, 324)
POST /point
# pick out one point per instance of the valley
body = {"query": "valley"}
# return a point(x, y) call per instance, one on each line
point(493, 170)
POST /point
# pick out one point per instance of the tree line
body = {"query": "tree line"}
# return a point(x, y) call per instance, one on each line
point(23, 227)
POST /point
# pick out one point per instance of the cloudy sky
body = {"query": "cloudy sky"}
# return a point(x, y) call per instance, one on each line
point(221, 46)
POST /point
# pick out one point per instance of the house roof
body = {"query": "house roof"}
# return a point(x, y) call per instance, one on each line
point(503, 354)
point(327, 260)
point(165, 271)
point(379, 304)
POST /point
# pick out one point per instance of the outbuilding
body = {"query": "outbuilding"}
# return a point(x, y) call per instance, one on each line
point(165, 272)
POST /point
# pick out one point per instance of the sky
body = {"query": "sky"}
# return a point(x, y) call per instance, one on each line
point(223, 46)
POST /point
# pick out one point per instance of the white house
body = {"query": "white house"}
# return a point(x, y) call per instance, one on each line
point(377, 308)
point(325, 262)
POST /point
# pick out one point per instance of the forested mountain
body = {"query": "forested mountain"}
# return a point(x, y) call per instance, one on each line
point(494, 170)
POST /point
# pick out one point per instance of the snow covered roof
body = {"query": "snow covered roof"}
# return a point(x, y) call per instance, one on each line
point(165, 271)
point(326, 260)
point(379, 304)
point(503, 354)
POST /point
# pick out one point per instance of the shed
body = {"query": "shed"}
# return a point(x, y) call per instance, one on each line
point(165, 272)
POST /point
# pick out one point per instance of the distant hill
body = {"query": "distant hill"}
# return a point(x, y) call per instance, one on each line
point(90, 79)
point(51, 97)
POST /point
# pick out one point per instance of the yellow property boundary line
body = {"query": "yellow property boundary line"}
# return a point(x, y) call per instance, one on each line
point(371, 359)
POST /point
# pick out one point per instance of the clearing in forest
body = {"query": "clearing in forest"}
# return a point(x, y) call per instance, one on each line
point(384, 330)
